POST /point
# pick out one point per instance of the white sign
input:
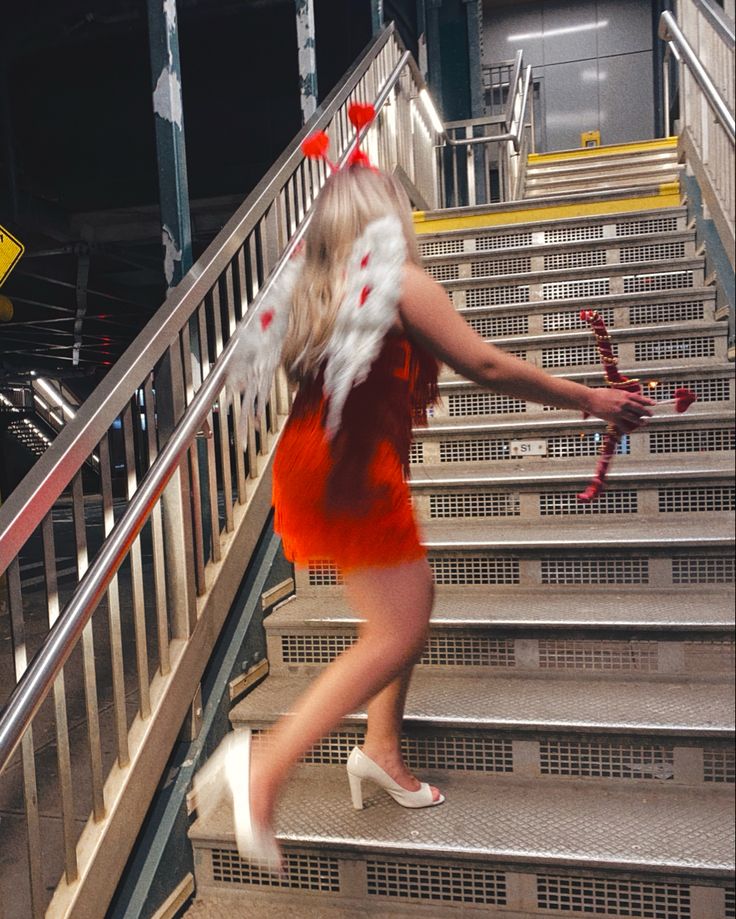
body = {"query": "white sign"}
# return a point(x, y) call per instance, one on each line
point(528, 447)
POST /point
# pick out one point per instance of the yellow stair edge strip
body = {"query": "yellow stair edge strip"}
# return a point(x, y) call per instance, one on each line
point(642, 146)
point(667, 196)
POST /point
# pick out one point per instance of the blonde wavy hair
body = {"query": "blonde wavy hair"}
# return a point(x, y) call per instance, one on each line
point(350, 200)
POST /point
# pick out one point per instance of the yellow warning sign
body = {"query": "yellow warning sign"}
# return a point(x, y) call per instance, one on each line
point(11, 250)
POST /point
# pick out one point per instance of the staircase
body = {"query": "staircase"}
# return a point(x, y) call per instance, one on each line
point(574, 701)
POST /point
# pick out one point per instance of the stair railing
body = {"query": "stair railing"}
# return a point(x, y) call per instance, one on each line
point(702, 44)
point(483, 160)
point(182, 505)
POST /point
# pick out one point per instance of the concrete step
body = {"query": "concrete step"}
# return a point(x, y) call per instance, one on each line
point(496, 846)
point(624, 229)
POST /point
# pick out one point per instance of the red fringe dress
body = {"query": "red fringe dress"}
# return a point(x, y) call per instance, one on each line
point(347, 500)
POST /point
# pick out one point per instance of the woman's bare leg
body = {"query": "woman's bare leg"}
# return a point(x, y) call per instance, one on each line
point(395, 605)
point(383, 735)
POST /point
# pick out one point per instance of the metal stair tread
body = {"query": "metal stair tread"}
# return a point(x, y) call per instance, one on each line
point(522, 702)
point(705, 294)
point(591, 272)
point(634, 474)
point(555, 533)
point(606, 242)
point(696, 608)
point(439, 426)
point(662, 829)
point(623, 194)
point(585, 220)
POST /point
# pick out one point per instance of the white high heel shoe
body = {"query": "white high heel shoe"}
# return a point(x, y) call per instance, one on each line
point(228, 770)
point(361, 767)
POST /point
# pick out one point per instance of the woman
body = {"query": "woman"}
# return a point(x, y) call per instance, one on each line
point(366, 330)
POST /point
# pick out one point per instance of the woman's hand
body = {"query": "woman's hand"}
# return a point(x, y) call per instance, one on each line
point(626, 410)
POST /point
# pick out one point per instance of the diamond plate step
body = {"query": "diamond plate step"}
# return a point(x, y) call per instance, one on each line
point(495, 844)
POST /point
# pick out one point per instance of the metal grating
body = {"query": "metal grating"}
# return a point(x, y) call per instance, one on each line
point(498, 326)
point(674, 348)
point(572, 356)
point(570, 319)
point(716, 389)
point(572, 234)
point(459, 752)
point(730, 898)
point(702, 570)
point(588, 258)
point(467, 752)
point(569, 290)
point(647, 283)
point(693, 500)
point(698, 441)
point(473, 451)
point(500, 266)
point(503, 241)
point(474, 504)
point(450, 649)
point(474, 569)
point(569, 445)
point(655, 313)
point(606, 759)
point(416, 452)
point(716, 656)
point(719, 765)
point(314, 649)
point(450, 272)
point(301, 872)
point(609, 897)
point(483, 403)
point(632, 570)
point(496, 296)
point(441, 247)
point(599, 655)
point(323, 573)
point(566, 503)
point(652, 252)
point(428, 882)
point(644, 227)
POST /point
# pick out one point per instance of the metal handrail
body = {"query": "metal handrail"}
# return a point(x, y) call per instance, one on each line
point(34, 497)
point(37, 681)
point(718, 19)
point(670, 32)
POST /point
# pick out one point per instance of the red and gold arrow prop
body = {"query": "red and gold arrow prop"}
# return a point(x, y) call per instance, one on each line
point(683, 400)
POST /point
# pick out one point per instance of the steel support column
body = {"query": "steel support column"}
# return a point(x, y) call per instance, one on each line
point(307, 57)
point(377, 16)
point(176, 233)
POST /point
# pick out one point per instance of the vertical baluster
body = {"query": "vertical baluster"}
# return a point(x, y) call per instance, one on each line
point(239, 442)
point(62, 728)
point(113, 612)
point(28, 759)
point(210, 442)
point(190, 366)
point(239, 270)
point(88, 659)
point(255, 259)
point(230, 300)
point(157, 538)
point(136, 573)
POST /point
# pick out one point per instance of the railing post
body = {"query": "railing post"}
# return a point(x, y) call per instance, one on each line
point(305, 42)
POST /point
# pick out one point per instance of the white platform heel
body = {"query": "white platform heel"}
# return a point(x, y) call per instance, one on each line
point(361, 768)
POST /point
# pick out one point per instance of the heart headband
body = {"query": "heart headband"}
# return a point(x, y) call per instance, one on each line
point(316, 145)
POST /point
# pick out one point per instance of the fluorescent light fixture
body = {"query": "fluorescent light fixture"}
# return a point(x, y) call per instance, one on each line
point(431, 111)
point(54, 396)
point(565, 30)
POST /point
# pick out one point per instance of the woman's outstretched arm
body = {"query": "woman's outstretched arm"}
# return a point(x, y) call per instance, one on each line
point(429, 317)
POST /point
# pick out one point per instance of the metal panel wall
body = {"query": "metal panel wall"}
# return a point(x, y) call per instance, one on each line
point(593, 59)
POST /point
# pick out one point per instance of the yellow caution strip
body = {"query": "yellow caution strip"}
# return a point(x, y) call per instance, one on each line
point(642, 146)
point(668, 196)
